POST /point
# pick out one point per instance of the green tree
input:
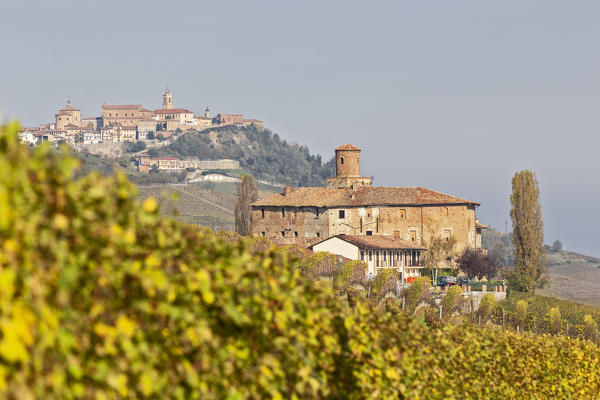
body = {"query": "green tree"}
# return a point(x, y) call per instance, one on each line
point(528, 232)
point(150, 136)
point(154, 169)
point(247, 194)
point(557, 245)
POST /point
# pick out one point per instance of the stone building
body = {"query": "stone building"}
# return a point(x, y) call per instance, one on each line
point(67, 115)
point(349, 205)
point(126, 115)
point(235, 119)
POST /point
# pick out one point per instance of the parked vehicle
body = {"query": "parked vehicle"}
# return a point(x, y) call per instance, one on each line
point(447, 281)
point(463, 281)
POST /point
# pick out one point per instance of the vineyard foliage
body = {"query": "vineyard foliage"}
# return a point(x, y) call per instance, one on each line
point(102, 298)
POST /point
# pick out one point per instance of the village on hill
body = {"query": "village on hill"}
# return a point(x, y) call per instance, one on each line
point(121, 123)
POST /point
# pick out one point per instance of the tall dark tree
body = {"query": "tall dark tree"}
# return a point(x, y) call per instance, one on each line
point(528, 232)
point(475, 263)
point(247, 194)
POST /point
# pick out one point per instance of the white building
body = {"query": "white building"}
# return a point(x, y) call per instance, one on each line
point(378, 252)
point(92, 137)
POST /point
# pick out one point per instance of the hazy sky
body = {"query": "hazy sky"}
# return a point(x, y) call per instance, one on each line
point(454, 96)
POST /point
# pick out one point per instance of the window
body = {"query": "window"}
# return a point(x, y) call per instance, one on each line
point(262, 212)
point(342, 160)
point(361, 225)
point(342, 214)
point(282, 212)
point(317, 211)
point(296, 233)
point(370, 255)
point(362, 255)
point(384, 255)
point(377, 258)
point(447, 234)
point(318, 234)
point(264, 233)
point(282, 233)
point(369, 233)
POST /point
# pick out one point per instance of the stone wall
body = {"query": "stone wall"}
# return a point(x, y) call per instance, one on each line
point(303, 220)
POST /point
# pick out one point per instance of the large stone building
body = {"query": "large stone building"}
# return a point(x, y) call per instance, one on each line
point(126, 115)
point(67, 115)
point(349, 205)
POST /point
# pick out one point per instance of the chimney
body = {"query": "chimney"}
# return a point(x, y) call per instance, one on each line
point(287, 190)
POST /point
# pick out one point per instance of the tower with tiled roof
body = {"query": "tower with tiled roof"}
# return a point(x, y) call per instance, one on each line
point(167, 100)
point(347, 168)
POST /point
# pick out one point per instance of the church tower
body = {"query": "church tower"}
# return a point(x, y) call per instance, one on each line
point(347, 168)
point(167, 100)
point(207, 113)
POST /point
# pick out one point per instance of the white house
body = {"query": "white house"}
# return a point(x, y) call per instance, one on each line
point(378, 252)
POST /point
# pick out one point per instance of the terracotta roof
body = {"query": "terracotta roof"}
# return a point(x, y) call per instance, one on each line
point(360, 196)
point(172, 111)
point(348, 147)
point(122, 106)
point(377, 242)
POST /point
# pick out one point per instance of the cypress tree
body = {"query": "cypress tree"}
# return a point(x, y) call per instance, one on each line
point(528, 232)
point(247, 194)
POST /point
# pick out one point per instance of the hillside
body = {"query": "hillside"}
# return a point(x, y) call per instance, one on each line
point(259, 151)
point(573, 276)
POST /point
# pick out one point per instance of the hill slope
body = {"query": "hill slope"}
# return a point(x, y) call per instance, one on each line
point(259, 151)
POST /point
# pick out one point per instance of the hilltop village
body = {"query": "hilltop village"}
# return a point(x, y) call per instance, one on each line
point(120, 123)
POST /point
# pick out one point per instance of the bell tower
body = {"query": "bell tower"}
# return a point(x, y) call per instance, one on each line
point(167, 100)
point(347, 168)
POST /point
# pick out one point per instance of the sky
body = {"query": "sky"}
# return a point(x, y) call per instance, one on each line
point(454, 96)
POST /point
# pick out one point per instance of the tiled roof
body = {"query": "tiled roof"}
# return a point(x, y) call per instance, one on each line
point(377, 242)
point(348, 147)
point(360, 196)
point(122, 106)
point(72, 126)
point(172, 111)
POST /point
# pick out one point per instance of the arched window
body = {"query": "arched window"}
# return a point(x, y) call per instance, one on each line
point(342, 160)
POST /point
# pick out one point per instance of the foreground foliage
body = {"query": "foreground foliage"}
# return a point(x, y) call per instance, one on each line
point(103, 298)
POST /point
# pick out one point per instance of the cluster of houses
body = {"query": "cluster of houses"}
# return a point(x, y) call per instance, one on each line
point(385, 227)
point(126, 123)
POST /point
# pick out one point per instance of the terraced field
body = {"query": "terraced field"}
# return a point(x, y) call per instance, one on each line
point(197, 204)
point(194, 204)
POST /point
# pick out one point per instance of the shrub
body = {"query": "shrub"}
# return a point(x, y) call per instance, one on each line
point(415, 293)
point(383, 283)
point(352, 272)
point(520, 314)
point(451, 302)
point(486, 307)
point(554, 320)
point(590, 328)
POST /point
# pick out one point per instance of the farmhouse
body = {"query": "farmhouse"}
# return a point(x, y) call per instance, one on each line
point(377, 252)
